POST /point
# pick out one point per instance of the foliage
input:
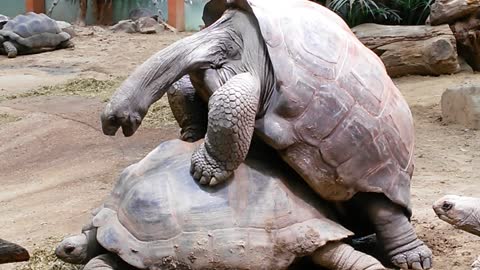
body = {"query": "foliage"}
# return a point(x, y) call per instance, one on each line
point(405, 12)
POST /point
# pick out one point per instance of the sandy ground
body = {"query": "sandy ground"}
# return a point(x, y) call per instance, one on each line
point(56, 165)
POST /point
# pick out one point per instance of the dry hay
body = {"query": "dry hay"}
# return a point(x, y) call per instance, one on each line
point(159, 113)
point(6, 118)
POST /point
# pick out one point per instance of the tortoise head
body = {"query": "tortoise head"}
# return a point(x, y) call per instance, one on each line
point(460, 211)
point(79, 249)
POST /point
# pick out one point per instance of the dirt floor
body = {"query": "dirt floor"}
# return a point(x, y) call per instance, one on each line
point(56, 165)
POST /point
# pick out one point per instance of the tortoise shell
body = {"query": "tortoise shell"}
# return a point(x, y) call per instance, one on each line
point(34, 30)
point(259, 220)
point(336, 117)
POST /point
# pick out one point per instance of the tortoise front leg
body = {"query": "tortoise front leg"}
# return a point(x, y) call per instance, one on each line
point(108, 262)
point(396, 234)
point(340, 256)
point(10, 49)
point(188, 109)
point(231, 120)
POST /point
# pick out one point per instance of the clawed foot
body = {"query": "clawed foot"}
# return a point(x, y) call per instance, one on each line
point(192, 135)
point(419, 258)
point(206, 169)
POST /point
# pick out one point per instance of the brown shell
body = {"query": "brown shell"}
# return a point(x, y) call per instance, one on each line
point(337, 118)
point(262, 219)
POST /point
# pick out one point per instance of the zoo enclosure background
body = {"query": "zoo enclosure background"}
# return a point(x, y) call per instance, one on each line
point(68, 10)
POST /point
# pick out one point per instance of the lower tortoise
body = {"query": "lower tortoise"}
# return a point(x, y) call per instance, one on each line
point(158, 217)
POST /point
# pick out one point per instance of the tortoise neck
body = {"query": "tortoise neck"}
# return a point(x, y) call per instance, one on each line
point(255, 57)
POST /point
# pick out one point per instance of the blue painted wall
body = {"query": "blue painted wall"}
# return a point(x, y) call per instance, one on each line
point(12, 7)
point(193, 14)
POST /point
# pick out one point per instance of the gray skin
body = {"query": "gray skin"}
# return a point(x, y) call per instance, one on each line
point(463, 213)
point(229, 67)
point(32, 33)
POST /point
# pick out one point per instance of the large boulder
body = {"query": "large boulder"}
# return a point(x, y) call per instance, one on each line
point(461, 105)
point(448, 11)
point(420, 49)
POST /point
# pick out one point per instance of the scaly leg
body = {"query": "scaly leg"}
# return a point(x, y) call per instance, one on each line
point(231, 119)
point(340, 256)
point(188, 109)
point(396, 234)
point(10, 49)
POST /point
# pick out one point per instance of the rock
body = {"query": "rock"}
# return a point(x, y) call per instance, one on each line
point(147, 25)
point(448, 11)
point(461, 105)
point(467, 34)
point(420, 49)
point(127, 26)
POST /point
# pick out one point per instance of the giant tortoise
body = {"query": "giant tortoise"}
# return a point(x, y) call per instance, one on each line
point(158, 217)
point(293, 73)
point(32, 33)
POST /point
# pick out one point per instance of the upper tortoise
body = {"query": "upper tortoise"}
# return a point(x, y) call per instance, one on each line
point(293, 72)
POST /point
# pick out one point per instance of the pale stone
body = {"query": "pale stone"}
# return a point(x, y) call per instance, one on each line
point(461, 105)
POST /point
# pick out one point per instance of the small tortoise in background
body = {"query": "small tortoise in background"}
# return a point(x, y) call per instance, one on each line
point(462, 212)
point(32, 33)
point(293, 73)
point(158, 217)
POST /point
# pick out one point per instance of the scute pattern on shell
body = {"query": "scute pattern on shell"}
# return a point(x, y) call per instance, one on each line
point(261, 219)
point(32, 24)
point(336, 102)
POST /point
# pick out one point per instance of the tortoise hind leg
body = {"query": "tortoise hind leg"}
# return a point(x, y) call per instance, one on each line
point(396, 234)
point(10, 49)
point(188, 109)
point(108, 262)
point(340, 256)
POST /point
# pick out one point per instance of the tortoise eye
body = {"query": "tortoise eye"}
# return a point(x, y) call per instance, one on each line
point(69, 249)
point(446, 206)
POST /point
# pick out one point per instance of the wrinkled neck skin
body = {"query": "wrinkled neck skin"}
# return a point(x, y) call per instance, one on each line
point(230, 46)
point(471, 222)
point(461, 211)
